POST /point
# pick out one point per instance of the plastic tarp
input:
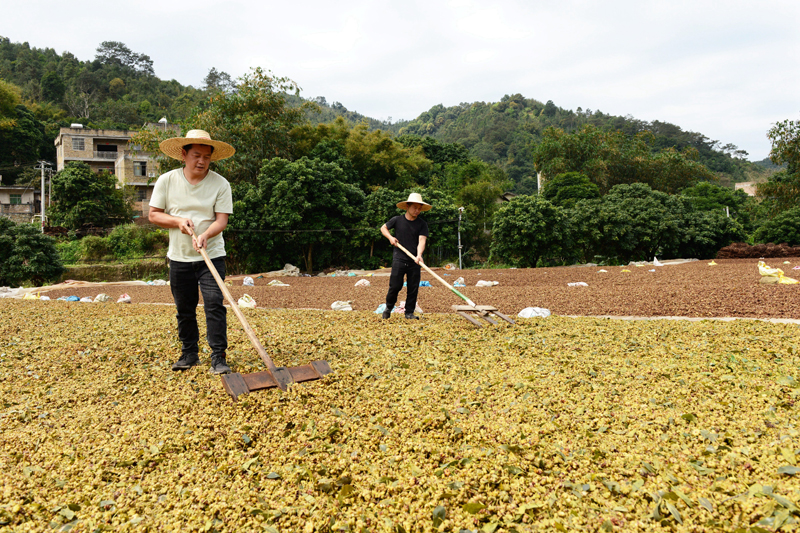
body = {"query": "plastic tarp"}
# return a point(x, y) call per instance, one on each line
point(246, 301)
point(773, 275)
point(341, 305)
point(534, 312)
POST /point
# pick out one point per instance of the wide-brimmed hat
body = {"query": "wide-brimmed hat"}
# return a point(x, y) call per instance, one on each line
point(414, 198)
point(172, 147)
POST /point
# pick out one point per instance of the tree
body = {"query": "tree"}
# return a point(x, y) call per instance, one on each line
point(782, 189)
point(305, 200)
point(610, 158)
point(218, 81)
point(785, 138)
point(27, 255)
point(637, 222)
point(709, 197)
point(377, 159)
point(82, 196)
point(255, 119)
point(21, 134)
point(785, 227)
point(9, 100)
point(704, 233)
point(526, 230)
point(564, 190)
point(115, 53)
point(53, 87)
point(584, 233)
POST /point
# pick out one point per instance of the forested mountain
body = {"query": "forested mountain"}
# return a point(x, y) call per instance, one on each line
point(43, 91)
point(118, 89)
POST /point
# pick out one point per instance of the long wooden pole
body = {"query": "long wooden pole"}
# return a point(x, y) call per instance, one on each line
point(431, 272)
point(238, 312)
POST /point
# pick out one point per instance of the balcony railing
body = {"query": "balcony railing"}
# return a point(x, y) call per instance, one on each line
point(106, 155)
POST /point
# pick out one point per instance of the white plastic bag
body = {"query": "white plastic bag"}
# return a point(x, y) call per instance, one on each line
point(246, 301)
point(340, 305)
point(656, 262)
point(578, 284)
point(124, 299)
point(102, 297)
point(87, 299)
point(248, 282)
point(487, 283)
point(362, 283)
point(773, 275)
point(534, 312)
point(277, 283)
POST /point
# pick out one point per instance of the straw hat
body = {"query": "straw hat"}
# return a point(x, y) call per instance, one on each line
point(414, 198)
point(172, 147)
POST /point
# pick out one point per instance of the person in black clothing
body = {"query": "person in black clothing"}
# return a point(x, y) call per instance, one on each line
point(412, 232)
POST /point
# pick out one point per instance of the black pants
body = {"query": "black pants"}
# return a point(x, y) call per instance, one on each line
point(412, 271)
point(184, 278)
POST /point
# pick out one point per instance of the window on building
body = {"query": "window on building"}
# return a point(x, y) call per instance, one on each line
point(141, 194)
point(140, 168)
point(77, 143)
point(16, 199)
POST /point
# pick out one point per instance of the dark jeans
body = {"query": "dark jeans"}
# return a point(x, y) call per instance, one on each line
point(184, 279)
point(412, 271)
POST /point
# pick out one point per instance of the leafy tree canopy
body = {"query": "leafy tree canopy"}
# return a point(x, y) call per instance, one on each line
point(785, 227)
point(82, 196)
point(300, 199)
point(254, 119)
point(567, 188)
point(27, 255)
point(610, 158)
point(782, 191)
point(377, 159)
point(527, 229)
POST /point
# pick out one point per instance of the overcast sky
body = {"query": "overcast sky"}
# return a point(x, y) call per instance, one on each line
point(728, 69)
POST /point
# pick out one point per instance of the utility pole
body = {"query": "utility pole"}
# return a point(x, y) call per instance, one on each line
point(460, 210)
point(42, 165)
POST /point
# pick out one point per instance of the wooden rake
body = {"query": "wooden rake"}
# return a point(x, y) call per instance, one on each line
point(236, 384)
point(471, 310)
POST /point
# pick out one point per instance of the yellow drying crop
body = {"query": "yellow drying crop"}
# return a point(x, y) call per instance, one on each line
point(552, 425)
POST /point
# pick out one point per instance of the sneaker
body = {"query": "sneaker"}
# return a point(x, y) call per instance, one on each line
point(386, 313)
point(219, 366)
point(412, 316)
point(186, 362)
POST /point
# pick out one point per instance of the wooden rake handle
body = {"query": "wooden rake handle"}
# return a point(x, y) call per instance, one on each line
point(238, 312)
point(432, 273)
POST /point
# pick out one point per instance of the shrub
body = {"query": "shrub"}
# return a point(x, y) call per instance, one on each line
point(70, 251)
point(526, 229)
point(94, 248)
point(27, 255)
point(785, 227)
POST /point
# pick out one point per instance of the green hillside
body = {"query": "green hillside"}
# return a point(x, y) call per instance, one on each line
point(118, 89)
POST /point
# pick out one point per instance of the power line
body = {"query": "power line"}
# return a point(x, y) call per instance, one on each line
point(243, 230)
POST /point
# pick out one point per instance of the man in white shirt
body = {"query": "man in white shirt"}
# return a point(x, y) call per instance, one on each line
point(197, 198)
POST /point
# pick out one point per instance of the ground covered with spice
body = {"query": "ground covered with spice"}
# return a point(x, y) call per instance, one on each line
point(696, 289)
point(554, 424)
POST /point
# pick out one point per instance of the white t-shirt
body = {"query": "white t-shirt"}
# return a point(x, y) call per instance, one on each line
point(200, 203)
